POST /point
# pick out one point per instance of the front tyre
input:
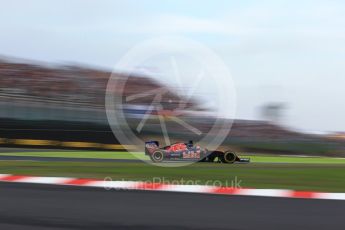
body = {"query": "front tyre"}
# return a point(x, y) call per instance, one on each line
point(228, 157)
point(157, 156)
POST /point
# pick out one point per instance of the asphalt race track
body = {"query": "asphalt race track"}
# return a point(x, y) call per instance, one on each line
point(71, 159)
point(28, 206)
point(62, 159)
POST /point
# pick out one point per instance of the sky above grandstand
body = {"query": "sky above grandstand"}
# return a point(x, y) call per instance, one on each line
point(277, 51)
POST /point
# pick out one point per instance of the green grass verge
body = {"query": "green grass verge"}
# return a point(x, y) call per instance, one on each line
point(296, 159)
point(315, 177)
point(301, 147)
point(77, 154)
point(285, 172)
point(126, 155)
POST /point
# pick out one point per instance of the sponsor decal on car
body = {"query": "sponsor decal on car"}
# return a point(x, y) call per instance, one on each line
point(191, 155)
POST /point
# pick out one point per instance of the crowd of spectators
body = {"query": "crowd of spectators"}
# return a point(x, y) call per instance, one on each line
point(73, 84)
point(85, 86)
point(18, 80)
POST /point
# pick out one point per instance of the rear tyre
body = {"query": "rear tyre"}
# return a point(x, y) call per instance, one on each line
point(228, 157)
point(157, 156)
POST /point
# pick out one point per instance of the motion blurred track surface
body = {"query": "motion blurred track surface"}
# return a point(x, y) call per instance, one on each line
point(63, 159)
point(28, 206)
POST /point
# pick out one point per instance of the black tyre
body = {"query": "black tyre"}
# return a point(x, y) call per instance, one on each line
point(228, 157)
point(157, 156)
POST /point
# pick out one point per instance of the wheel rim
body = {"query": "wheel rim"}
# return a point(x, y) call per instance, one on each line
point(157, 156)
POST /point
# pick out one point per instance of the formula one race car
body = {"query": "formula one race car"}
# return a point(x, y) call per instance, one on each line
point(187, 151)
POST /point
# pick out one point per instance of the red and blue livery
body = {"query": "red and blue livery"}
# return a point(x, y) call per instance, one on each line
point(189, 151)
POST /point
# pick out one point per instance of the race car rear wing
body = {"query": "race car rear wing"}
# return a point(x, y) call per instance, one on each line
point(151, 146)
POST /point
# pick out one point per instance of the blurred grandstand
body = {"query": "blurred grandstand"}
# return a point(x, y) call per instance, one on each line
point(66, 103)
